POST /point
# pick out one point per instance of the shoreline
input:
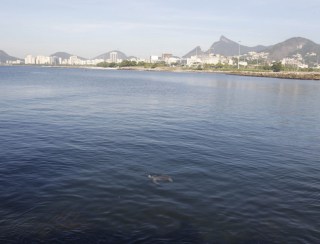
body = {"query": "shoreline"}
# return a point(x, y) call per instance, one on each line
point(280, 75)
point(296, 75)
point(267, 74)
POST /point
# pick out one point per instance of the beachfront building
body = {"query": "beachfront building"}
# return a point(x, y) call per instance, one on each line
point(55, 60)
point(29, 59)
point(113, 58)
point(93, 61)
point(44, 60)
point(18, 61)
point(73, 60)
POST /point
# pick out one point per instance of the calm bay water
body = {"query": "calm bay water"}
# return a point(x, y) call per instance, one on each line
point(76, 147)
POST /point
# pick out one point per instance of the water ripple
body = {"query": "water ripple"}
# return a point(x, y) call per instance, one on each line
point(77, 146)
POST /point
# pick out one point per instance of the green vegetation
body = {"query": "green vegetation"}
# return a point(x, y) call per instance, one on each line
point(106, 65)
point(276, 67)
point(221, 67)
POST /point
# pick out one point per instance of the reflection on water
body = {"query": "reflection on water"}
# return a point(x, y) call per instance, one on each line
point(77, 147)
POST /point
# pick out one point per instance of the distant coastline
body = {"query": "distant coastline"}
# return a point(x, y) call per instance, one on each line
point(268, 74)
point(297, 75)
point(281, 75)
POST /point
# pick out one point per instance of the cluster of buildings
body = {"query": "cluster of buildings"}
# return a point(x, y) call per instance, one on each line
point(298, 61)
point(212, 59)
point(53, 60)
point(251, 58)
point(29, 59)
point(194, 60)
point(18, 61)
point(112, 57)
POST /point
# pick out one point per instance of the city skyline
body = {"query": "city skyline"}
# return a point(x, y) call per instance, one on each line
point(142, 28)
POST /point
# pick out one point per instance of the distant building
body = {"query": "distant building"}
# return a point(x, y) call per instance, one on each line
point(43, 60)
point(14, 61)
point(74, 60)
point(173, 60)
point(211, 59)
point(166, 56)
point(55, 60)
point(94, 61)
point(114, 57)
point(296, 61)
point(243, 63)
point(154, 59)
point(194, 60)
point(29, 59)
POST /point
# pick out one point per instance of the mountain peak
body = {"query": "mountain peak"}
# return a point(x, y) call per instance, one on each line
point(4, 57)
point(225, 39)
point(3, 52)
point(64, 55)
point(196, 51)
point(228, 47)
point(292, 47)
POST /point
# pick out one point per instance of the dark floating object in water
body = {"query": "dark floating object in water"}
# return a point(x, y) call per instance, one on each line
point(157, 178)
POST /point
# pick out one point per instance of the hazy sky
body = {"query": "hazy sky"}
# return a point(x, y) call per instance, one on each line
point(144, 27)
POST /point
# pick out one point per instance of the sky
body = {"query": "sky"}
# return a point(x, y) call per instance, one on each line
point(142, 28)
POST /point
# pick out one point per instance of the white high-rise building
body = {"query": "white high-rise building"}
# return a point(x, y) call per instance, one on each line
point(55, 60)
point(29, 59)
point(43, 60)
point(114, 57)
point(74, 60)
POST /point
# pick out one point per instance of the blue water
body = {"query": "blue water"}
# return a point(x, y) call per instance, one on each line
point(77, 145)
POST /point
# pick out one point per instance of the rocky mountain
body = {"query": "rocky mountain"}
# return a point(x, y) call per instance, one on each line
point(227, 47)
point(292, 46)
point(196, 51)
point(105, 56)
point(64, 55)
point(4, 57)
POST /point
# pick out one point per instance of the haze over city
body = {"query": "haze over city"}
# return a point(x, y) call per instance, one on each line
point(142, 28)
